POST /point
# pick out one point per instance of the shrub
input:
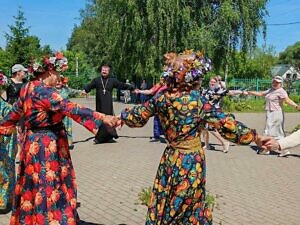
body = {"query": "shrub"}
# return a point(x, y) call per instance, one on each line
point(145, 195)
point(210, 201)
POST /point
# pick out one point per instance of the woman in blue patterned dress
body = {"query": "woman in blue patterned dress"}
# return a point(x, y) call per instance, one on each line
point(8, 150)
point(178, 195)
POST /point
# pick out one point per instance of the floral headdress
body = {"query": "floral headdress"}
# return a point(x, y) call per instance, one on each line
point(186, 67)
point(3, 81)
point(57, 62)
point(64, 80)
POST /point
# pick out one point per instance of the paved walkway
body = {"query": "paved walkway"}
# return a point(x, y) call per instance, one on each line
point(249, 188)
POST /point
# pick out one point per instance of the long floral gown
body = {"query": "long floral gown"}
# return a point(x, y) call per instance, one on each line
point(8, 151)
point(45, 191)
point(66, 92)
point(178, 193)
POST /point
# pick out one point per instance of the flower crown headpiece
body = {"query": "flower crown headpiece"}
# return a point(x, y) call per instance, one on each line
point(57, 62)
point(3, 81)
point(186, 67)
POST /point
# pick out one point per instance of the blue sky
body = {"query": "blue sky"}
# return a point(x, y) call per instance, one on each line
point(52, 21)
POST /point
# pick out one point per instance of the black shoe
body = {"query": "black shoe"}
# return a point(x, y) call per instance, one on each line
point(96, 141)
point(154, 139)
point(7, 210)
point(162, 140)
point(71, 147)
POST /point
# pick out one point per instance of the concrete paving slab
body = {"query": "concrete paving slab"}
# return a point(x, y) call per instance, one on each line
point(249, 188)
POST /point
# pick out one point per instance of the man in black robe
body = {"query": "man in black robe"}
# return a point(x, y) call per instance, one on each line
point(104, 86)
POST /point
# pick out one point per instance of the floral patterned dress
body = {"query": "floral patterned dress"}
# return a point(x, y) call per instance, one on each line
point(45, 191)
point(66, 92)
point(8, 151)
point(178, 193)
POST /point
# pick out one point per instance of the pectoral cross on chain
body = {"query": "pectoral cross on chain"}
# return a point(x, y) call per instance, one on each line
point(104, 86)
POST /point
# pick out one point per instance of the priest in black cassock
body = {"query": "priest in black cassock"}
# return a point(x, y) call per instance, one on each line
point(104, 86)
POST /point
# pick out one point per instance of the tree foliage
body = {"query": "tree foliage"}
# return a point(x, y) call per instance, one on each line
point(291, 55)
point(21, 47)
point(133, 35)
point(256, 65)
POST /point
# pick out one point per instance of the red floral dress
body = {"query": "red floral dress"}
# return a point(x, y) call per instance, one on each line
point(45, 191)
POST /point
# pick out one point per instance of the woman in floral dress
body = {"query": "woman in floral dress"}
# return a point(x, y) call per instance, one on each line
point(8, 150)
point(178, 193)
point(45, 191)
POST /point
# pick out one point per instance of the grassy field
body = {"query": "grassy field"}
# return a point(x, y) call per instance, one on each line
point(253, 104)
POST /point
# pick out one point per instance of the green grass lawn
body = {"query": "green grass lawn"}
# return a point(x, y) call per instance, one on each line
point(252, 104)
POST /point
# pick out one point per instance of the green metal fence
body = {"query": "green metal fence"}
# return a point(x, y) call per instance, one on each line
point(261, 85)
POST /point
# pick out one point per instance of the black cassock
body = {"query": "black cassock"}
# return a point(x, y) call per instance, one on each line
point(104, 102)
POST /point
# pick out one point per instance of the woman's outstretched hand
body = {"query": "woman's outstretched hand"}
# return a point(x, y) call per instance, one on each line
point(111, 121)
point(120, 122)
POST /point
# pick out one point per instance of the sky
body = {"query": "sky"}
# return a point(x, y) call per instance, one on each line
point(52, 21)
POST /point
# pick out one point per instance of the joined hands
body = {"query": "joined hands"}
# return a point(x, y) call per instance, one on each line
point(112, 121)
point(267, 143)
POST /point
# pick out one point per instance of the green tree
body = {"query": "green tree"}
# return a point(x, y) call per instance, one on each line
point(5, 63)
point(21, 47)
point(134, 35)
point(291, 55)
point(257, 65)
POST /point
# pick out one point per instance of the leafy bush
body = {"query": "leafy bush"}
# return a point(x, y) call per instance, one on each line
point(145, 195)
point(210, 201)
point(78, 82)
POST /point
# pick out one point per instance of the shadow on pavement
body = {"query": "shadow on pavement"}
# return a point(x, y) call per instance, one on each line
point(291, 155)
point(127, 136)
point(257, 149)
point(85, 140)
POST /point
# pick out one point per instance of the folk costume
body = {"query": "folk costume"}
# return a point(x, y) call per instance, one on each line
point(104, 102)
point(8, 151)
point(45, 191)
point(66, 92)
point(178, 195)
